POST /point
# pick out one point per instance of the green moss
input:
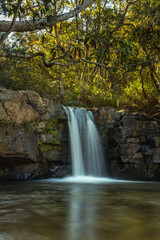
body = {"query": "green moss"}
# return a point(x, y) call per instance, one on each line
point(75, 104)
point(51, 129)
point(44, 147)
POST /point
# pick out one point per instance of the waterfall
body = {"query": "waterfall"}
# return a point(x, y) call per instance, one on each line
point(86, 149)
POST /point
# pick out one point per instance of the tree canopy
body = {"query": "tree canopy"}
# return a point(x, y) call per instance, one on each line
point(98, 52)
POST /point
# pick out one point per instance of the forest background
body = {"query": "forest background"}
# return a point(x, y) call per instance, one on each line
point(106, 55)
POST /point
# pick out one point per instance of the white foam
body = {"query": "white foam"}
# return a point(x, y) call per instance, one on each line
point(85, 179)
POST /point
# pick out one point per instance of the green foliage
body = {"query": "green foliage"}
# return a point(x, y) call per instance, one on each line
point(101, 35)
point(75, 104)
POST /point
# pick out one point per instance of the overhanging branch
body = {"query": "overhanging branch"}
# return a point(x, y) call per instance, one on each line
point(27, 56)
point(72, 62)
point(146, 63)
point(29, 25)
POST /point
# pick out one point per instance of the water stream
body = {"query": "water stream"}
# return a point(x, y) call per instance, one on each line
point(86, 149)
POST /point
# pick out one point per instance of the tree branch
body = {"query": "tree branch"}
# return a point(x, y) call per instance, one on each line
point(29, 25)
point(12, 23)
point(146, 63)
point(27, 56)
point(121, 22)
point(50, 64)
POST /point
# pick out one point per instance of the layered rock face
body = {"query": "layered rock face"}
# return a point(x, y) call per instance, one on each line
point(132, 143)
point(33, 137)
point(34, 140)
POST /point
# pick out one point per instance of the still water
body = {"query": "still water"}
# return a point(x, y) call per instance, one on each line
point(49, 210)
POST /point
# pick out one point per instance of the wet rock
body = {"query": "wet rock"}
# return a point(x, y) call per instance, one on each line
point(136, 155)
point(34, 140)
point(156, 156)
point(1, 173)
point(18, 143)
point(60, 171)
point(26, 171)
point(28, 138)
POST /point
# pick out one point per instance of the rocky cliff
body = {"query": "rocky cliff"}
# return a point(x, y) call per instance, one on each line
point(34, 140)
point(132, 142)
point(33, 137)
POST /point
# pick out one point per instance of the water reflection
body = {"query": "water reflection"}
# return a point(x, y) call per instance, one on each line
point(82, 212)
point(74, 211)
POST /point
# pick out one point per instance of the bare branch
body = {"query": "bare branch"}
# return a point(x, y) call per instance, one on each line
point(12, 23)
point(71, 62)
point(29, 25)
point(27, 56)
point(146, 63)
point(117, 67)
point(121, 22)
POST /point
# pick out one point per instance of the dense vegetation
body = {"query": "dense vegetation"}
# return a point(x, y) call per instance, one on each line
point(107, 55)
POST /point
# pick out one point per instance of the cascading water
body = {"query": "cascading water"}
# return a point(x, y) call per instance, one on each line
point(86, 150)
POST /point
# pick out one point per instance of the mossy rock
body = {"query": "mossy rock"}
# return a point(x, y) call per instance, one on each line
point(75, 104)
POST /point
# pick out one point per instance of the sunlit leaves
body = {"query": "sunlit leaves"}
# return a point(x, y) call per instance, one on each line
point(100, 36)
